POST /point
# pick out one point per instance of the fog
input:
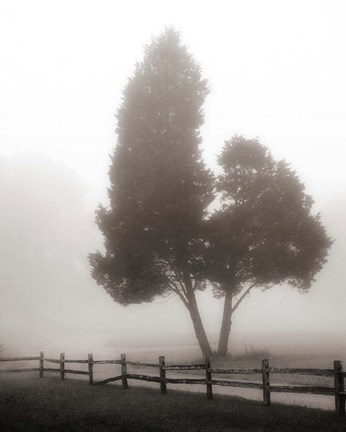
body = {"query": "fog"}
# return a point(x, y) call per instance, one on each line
point(276, 70)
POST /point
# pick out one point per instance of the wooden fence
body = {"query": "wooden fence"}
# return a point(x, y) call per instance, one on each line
point(338, 390)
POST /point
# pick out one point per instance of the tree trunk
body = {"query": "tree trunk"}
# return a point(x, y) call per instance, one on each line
point(226, 323)
point(197, 323)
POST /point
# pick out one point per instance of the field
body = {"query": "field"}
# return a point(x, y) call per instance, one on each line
point(28, 403)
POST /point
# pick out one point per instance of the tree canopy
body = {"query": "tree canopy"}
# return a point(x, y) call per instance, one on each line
point(158, 234)
point(160, 188)
point(264, 234)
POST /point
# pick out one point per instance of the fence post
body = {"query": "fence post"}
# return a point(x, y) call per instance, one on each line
point(162, 364)
point(208, 378)
point(62, 366)
point(266, 382)
point(90, 368)
point(41, 364)
point(124, 371)
point(339, 387)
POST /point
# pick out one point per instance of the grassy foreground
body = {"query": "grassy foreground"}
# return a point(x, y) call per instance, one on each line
point(30, 404)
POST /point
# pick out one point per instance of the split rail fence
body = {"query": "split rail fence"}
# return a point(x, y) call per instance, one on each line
point(338, 391)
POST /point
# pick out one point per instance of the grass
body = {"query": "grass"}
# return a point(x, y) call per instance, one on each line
point(28, 403)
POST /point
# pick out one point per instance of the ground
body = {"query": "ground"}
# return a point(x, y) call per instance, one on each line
point(28, 403)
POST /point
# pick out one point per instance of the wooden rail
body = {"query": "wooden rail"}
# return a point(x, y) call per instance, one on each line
point(303, 371)
point(20, 370)
point(303, 389)
point(338, 390)
point(131, 363)
point(108, 380)
point(237, 371)
point(27, 358)
point(185, 367)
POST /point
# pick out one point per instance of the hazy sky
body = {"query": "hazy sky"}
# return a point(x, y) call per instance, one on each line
point(276, 70)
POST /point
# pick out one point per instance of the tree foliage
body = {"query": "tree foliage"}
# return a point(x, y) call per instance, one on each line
point(265, 233)
point(160, 188)
point(159, 236)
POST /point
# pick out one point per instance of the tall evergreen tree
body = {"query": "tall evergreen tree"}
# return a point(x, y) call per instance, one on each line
point(160, 189)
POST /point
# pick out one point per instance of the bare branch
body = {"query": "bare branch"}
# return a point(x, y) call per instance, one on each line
point(177, 291)
point(195, 284)
point(241, 298)
point(178, 279)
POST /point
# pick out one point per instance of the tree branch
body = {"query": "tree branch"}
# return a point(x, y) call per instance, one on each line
point(195, 283)
point(241, 298)
point(177, 291)
point(178, 279)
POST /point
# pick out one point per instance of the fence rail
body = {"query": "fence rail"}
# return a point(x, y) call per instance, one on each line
point(328, 391)
point(20, 370)
point(5, 359)
point(303, 371)
point(237, 371)
point(338, 390)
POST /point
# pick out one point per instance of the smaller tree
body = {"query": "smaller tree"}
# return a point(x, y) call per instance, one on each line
point(264, 234)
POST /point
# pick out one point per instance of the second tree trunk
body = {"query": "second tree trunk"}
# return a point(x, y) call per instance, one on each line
point(226, 324)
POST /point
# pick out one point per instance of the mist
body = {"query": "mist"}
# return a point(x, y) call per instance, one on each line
point(274, 72)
